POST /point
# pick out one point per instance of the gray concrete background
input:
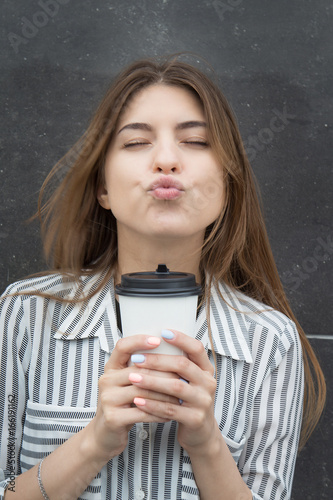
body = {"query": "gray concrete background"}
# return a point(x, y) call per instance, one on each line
point(272, 59)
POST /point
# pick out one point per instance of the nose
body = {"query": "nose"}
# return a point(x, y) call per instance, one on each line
point(167, 158)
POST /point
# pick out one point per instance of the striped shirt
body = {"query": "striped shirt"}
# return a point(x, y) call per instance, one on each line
point(53, 353)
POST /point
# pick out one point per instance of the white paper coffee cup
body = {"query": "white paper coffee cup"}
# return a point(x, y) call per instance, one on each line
point(160, 300)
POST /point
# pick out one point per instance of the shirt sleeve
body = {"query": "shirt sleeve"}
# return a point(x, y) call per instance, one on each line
point(268, 460)
point(14, 354)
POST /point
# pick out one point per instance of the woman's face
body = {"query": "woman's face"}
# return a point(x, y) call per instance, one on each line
point(161, 177)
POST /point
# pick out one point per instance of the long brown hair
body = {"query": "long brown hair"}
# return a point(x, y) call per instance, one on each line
point(80, 236)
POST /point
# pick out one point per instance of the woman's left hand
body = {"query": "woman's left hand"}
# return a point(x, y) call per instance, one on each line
point(195, 410)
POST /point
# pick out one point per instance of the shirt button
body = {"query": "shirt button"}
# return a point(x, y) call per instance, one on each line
point(139, 495)
point(143, 434)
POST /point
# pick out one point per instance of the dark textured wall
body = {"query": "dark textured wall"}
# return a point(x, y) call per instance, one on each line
point(274, 62)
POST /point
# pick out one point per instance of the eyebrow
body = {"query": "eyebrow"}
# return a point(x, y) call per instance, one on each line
point(149, 128)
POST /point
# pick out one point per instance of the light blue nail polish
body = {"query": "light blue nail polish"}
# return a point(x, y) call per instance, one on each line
point(183, 380)
point(138, 358)
point(167, 334)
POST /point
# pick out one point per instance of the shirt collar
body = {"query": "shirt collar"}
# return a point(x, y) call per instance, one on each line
point(97, 318)
point(228, 325)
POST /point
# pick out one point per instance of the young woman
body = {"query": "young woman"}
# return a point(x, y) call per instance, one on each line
point(160, 176)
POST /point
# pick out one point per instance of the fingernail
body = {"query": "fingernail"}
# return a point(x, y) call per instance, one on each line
point(167, 334)
point(138, 358)
point(139, 401)
point(135, 377)
point(153, 341)
point(183, 380)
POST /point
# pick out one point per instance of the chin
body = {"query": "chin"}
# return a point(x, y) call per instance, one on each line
point(164, 233)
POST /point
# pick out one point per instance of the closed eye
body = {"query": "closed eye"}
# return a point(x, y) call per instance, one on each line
point(135, 143)
point(198, 143)
point(195, 143)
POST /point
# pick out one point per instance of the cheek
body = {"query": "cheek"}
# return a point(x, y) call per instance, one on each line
point(211, 194)
point(123, 195)
point(118, 200)
point(115, 179)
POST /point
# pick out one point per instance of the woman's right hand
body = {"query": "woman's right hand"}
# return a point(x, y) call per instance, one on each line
point(116, 413)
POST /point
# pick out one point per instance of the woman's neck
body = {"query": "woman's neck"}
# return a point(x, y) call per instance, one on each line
point(178, 255)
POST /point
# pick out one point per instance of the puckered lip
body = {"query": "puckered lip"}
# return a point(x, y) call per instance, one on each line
point(166, 188)
point(166, 182)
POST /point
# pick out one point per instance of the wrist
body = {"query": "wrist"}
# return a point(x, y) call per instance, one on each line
point(90, 451)
point(209, 449)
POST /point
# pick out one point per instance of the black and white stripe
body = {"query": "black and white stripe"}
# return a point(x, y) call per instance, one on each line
point(53, 353)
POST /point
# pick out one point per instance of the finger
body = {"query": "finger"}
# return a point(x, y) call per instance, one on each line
point(195, 419)
point(130, 416)
point(146, 388)
point(158, 409)
point(126, 346)
point(192, 347)
point(122, 397)
point(200, 381)
point(119, 378)
point(181, 401)
point(179, 366)
point(153, 372)
point(112, 397)
point(169, 390)
point(116, 389)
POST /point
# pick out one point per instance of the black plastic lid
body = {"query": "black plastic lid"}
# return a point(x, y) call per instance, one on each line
point(161, 283)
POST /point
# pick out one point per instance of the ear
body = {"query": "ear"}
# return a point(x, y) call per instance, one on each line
point(103, 198)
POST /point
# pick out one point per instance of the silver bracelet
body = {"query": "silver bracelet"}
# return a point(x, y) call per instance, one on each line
point(39, 477)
